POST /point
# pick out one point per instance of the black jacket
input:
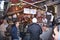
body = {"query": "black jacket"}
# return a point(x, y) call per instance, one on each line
point(35, 30)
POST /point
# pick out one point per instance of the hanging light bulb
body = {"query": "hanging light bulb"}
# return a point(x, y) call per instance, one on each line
point(18, 14)
point(16, 8)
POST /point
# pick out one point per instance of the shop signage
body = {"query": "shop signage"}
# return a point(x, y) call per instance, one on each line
point(30, 11)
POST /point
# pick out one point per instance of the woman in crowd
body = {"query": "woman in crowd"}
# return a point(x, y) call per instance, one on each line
point(15, 33)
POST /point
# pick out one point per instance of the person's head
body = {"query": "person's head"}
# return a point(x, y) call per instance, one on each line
point(57, 29)
point(34, 20)
point(42, 12)
point(45, 26)
point(17, 23)
point(5, 21)
point(58, 22)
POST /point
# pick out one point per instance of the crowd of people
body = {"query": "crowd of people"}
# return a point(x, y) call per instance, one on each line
point(41, 27)
point(33, 31)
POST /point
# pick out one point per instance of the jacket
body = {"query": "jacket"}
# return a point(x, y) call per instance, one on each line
point(34, 30)
point(14, 32)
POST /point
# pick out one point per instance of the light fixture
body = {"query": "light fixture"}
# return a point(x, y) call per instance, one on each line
point(18, 14)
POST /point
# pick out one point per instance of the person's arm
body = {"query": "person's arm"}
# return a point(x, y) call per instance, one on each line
point(40, 30)
point(14, 32)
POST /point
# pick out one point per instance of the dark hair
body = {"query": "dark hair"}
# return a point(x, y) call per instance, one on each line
point(13, 25)
point(45, 25)
point(57, 20)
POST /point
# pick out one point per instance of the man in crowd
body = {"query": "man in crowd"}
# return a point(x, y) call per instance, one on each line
point(34, 29)
point(3, 29)
point(47, 32)
point(56, 35)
